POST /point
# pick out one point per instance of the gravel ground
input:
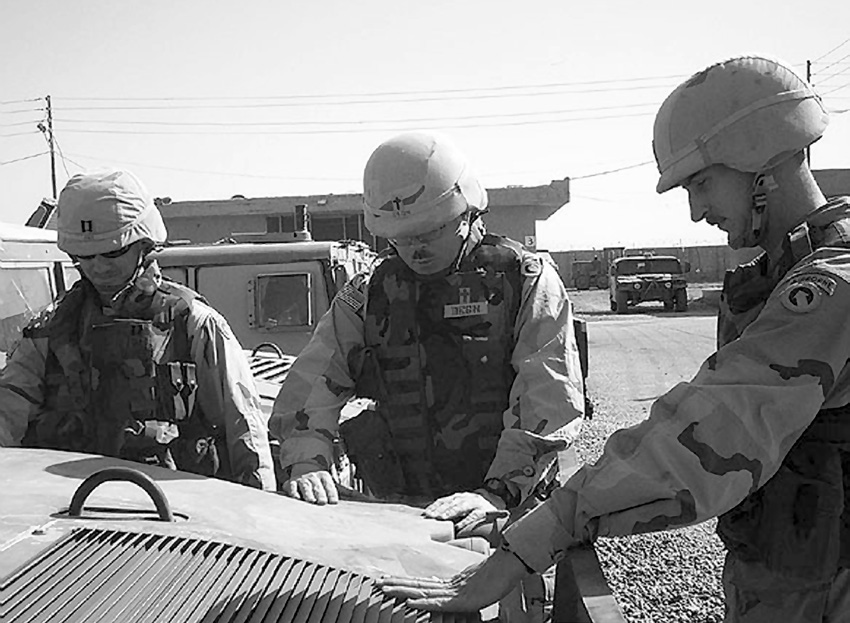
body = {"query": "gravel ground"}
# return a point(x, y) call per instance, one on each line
point(667, 576)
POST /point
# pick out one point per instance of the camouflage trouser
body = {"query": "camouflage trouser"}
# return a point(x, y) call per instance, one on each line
point(756, 595)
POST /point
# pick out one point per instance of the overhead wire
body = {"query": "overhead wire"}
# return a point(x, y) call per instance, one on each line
point(4, 162)
point(822, 56)
point(22, 101)
point(535, 113)
point(356, 130)
point(380, 93)
point(211, 172)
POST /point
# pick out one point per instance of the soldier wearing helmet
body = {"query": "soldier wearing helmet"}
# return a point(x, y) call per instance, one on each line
point(761, 436)
point(463, 340)
point(127, 363)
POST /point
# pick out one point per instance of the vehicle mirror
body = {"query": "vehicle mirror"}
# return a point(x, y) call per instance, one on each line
point(686, 267)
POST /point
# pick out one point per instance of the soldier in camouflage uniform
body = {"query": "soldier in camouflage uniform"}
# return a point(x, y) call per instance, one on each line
point(761, 436)
point(126, 363)
point(463, 339)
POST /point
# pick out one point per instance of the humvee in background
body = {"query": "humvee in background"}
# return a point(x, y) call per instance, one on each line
point(634, 279)
point(33, 272)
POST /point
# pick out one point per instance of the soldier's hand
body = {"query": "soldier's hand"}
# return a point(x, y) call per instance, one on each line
point(316, 487)
point(472, 589)
point(467, 509)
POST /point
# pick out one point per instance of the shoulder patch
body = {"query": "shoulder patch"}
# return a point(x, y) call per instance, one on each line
point(801, 296)
point(352, 294)
point(531, 266)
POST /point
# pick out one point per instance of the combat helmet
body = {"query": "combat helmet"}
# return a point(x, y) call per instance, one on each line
point(105, 211)
point(748, 113)
point(416, 182)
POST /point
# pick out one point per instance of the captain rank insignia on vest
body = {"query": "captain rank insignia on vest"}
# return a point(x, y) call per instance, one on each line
point(465, 306)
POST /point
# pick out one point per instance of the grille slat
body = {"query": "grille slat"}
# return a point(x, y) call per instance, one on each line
point(123, 577)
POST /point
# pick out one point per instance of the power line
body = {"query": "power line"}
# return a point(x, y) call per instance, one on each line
point(831, 51)
point(350, 102)
point(44, 153)
point(23, 111)
point(24, 101)
point(535, 113)
point(356, 130)
point(610, 171)
point(11, 134)
point(378, 93)
point(206, 172)
point(19, 123)
point(843, 58)
point(843, 86)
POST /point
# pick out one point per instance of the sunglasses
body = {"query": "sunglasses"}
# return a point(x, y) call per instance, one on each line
point(110, 255)
point(429, 236)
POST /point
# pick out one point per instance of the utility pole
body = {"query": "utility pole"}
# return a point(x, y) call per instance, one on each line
point(48, 133)
point(809, 80)
point(50, 143)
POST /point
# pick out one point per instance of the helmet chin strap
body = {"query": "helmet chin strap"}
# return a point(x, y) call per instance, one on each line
point(762, 185)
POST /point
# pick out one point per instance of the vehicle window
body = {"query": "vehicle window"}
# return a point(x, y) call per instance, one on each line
point(23, 293)
point(180, 275)
point(282, 301)
point(72, 275)
point(642, 266)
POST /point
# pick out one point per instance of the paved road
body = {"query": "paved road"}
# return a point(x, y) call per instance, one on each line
point(636, 357)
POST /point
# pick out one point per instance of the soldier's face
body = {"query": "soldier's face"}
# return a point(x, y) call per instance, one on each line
point(724, 198)
point(434, 251)
point(110, 272)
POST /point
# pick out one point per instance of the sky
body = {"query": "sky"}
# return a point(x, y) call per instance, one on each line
point(206, 99)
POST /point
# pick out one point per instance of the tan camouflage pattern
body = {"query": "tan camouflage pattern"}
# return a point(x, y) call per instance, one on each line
point(226, 392)
point(710, 442)
point(545, 403)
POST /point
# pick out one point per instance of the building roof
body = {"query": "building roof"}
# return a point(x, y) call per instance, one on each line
point(551, 196)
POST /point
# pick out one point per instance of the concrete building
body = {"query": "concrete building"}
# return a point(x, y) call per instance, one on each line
point(514, 211)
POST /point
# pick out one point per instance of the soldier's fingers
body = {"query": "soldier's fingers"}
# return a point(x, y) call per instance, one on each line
point(305, 487)
point(328, 486)
point(471, 521)
point(397, 582)
point(290, 488)
point(438, 507)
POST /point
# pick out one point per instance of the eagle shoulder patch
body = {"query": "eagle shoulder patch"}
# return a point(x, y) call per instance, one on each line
point(804, 293)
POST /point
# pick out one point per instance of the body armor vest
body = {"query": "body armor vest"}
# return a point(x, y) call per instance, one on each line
point(438, 363)
point(123, 386)
point(796, 524)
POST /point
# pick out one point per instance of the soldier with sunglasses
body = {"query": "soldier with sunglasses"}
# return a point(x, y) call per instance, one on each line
point(128, 364)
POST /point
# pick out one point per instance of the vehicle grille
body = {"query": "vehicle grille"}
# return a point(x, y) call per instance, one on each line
point(117, 576)
point(272, 369)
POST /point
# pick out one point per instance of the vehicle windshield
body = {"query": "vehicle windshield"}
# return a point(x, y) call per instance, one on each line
point(648, 265)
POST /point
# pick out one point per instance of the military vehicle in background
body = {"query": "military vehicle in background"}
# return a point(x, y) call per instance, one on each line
point(593, 273)
point(272, 287)
point(634, 279)
point(33, 272)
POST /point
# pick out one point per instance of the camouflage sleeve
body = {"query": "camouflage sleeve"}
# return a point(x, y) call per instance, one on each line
point(710, 442)
point(546, 404)
point(306, 413)
point(228, 396)
point(21, 389)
